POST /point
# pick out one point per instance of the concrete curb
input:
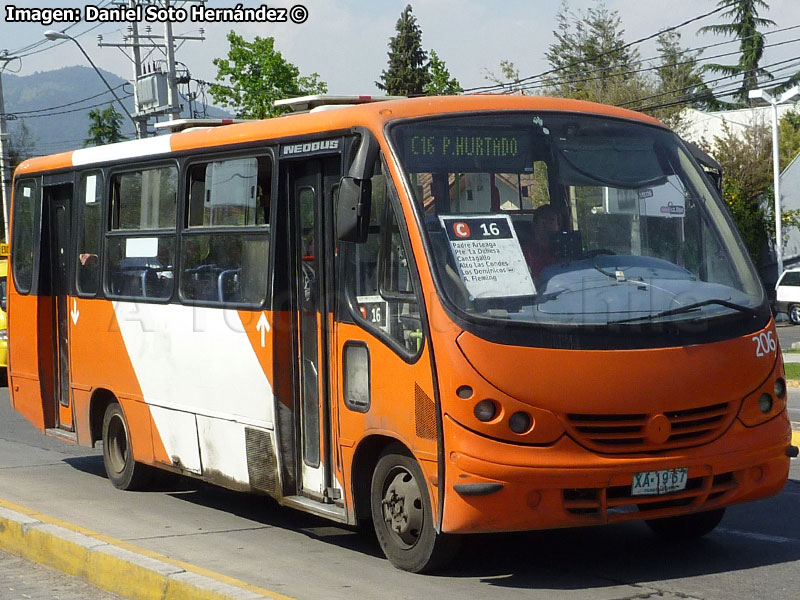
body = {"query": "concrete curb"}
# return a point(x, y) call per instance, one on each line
point(113, 565)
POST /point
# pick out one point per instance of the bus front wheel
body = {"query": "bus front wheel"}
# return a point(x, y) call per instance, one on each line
point(687, 527)
point(122, 470)
point(402, 515)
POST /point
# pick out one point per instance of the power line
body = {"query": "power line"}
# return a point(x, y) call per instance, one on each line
point(696, 59)
point(723, 92)
point(693, 86)
point(64, 112)
point(613, 51)
point(25, 50)
point(19, 113)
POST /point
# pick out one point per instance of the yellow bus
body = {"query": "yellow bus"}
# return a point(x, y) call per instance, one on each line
point(441, 315)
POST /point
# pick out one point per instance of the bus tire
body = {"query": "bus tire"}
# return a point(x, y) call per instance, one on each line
point(687, 527)
point(402, 515)
point(123, 472)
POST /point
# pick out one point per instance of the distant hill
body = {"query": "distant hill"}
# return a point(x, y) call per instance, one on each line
point(55, 105)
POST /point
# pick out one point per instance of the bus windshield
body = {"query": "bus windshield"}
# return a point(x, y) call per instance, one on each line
point(558, 218)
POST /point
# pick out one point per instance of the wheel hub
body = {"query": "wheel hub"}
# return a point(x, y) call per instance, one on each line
point(402, 508)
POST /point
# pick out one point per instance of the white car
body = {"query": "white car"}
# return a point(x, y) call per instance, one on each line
point(787, 295)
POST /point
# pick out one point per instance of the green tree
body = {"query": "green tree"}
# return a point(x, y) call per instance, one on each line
point(441, 83)
point(105, 127)
point(255, 74)
point(407, 74)
point(789, 137)
point(744, 24)
point(746, 160)
point(590, 60)
point(509, 78)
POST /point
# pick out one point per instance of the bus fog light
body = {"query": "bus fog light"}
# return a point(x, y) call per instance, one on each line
point(780, 387)
point(765, 403)
point(485, 411)
point(520, 422)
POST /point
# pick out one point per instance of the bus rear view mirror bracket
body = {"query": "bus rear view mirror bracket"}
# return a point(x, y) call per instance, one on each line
point(355, 191)
point(353, 210)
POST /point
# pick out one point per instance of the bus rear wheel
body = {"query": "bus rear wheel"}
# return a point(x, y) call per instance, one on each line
point(402, 515)
point(687, 527)
point(123, 472)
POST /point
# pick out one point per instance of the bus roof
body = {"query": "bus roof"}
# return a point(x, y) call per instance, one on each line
point(373, 115)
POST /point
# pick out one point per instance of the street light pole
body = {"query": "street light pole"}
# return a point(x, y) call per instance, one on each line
point(776, 169)
point(58, 35)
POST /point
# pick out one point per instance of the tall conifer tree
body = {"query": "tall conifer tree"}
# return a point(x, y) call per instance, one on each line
point(408, 62)
point(744, 25)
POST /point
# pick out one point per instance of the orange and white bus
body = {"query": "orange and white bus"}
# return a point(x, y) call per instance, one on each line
point(367, 314)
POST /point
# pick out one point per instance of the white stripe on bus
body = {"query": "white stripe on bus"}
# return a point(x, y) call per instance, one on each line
point(122, 150)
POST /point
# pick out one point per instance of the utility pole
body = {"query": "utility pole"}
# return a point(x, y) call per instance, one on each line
point(5, 162)
point(155, 92)
point(172, 81)
point(141, 121)
point(787, 96)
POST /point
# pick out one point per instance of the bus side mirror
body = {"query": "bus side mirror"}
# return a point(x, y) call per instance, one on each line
point(353, 209)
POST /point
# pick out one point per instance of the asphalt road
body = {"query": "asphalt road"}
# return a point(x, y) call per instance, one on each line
point(755, 553)
point(787, 334)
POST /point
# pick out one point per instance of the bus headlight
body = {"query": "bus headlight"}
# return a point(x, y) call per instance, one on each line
point(520, 422)
point(761, 406)
point(485, 411)
point(3, 335)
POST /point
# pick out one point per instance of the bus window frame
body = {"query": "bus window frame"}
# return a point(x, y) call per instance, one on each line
point(36, 239)
point(639, 336)
point(184, 230)
point(350, 301)
point(110, 233)
point(78, 228)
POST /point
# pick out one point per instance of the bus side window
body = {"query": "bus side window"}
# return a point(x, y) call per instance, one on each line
point(221, 261)
point(141, 244)
point(22, 246)
point(378, 282)
point(90, 198)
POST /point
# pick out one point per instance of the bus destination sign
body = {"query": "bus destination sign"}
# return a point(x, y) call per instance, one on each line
point(488, 255)
point(466, 150)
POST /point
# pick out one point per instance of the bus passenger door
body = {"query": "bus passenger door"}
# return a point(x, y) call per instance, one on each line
point(307, 282)
point(57, 199)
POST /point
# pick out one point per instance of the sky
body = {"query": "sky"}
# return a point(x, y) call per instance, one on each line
point(346, 41)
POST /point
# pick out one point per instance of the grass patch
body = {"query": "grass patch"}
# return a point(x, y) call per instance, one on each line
point(792, 370)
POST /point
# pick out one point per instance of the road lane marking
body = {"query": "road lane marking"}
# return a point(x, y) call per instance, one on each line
point(762, 537)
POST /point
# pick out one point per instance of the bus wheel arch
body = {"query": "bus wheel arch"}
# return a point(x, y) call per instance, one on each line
point(98, 404)
point(364, 461)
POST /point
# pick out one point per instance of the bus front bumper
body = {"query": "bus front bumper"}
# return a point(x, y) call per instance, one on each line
point(564, 485)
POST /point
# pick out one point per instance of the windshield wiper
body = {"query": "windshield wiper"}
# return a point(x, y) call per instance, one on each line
point(689, 308)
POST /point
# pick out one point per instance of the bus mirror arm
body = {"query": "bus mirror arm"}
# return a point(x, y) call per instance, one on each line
point(353, 209)
point(366, 156)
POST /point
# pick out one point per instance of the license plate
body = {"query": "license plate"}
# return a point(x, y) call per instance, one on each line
point(653, 483)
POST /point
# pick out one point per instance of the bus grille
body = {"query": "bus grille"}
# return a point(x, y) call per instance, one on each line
point(615, 504)
point(629, 433)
